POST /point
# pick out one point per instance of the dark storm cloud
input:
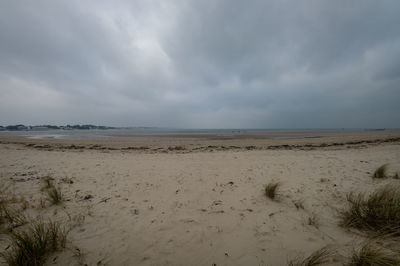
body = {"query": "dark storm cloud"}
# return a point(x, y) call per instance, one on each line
point(201, 63)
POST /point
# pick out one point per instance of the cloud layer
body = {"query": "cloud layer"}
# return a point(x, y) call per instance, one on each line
point(201, 64)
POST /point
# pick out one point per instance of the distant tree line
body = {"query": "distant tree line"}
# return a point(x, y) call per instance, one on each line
point(21, 127)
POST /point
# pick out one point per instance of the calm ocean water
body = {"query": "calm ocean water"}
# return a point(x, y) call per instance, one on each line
point(157, 134)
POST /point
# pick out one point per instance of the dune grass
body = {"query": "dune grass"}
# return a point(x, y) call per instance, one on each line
point(378, 213)
point(55, 196)
point(318, 257)
point(373, 254)
point(11, 216)
point(381, 172)
point(32, 246)
point(271, 190)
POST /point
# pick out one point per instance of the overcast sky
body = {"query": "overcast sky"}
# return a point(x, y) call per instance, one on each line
point(201, 63)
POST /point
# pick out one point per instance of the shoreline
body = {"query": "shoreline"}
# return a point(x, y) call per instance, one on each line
point(212, 134)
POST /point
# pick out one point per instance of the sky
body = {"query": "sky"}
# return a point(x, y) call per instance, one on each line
point(201, 64)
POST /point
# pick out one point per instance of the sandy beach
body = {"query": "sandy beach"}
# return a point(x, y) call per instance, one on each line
point(199, 133)
point(196, 202)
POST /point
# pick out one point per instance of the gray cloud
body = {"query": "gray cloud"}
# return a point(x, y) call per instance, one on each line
point(201, 63)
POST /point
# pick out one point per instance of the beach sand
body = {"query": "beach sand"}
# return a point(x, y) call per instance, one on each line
point(196, 202)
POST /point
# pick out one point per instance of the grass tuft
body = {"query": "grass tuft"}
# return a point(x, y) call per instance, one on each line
point(380, 172)
point(55, 196)
point(12, 216)
point(271, 190)
point(318, 257)
point(379, 213)
point(31, 247)
point(372, 254)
